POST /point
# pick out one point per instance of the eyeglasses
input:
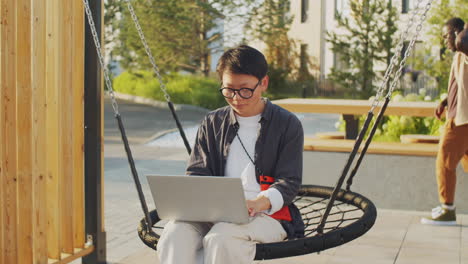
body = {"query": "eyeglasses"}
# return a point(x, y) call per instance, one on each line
point(245, 93)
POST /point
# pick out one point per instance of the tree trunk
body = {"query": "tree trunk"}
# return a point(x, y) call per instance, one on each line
point(204, 51)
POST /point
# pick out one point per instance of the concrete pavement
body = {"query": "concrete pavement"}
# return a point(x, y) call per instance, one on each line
point(396, 238)
point(122, 208)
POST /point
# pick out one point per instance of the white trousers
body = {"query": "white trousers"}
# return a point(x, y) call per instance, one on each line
point(224, 243)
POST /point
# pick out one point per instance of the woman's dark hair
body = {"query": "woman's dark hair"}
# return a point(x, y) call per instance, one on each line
point(462, 41)
point(243, 60)
point(455, 23)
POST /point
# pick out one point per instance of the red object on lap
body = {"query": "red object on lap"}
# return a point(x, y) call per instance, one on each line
point(283, 213)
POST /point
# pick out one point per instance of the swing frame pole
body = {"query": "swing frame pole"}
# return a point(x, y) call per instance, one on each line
point(93, 113)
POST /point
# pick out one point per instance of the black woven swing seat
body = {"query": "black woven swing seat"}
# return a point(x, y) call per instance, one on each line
point(352, 216)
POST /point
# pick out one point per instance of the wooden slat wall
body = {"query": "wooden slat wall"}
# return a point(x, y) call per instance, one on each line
point(2, 248)
point(2, 229)
point(24, 131)
point(41, 132)
point(65, 131)
point(78, 121)
point(8, 144)
point(52, 121)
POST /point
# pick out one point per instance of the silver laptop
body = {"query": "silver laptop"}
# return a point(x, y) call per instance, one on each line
point(199, 198)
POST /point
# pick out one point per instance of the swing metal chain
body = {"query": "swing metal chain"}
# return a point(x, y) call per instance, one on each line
point(396, 79)
point(117, 116)
point(358, 142)
point(101, 58)
point(365, 127)
point(394, 59)
point(148, 50)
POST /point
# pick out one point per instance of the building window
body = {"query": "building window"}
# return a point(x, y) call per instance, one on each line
point(405, 6)
point(404, 48)
point(342, 7)
point(418, 45)
point(303, 56)
point(304, 10)
point(339, 63)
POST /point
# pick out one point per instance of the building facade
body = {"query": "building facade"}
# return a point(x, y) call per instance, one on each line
point(314, 18)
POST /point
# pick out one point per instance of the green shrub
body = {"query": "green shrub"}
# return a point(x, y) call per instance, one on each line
point(183, 89)
point(392, 127)
point(199, 90)
point(282, 86)
point(138, 83)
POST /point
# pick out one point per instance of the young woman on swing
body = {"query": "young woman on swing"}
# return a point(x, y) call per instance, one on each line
point(255, 140)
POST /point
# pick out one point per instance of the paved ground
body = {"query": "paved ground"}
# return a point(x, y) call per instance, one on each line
point(397, 236)
point(142, 122)
point(122, 208)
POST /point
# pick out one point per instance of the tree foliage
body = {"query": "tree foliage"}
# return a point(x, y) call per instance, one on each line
point(362, 41)
point(269, 23)
point(435, 59)
point(181, 34)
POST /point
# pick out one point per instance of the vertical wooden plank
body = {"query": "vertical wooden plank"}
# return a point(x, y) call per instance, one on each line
point(24, 131)
point(39, 132)
point(52, 121)
point(2, 206)
point(78, 123)
point(9, 180)
point(66, 131)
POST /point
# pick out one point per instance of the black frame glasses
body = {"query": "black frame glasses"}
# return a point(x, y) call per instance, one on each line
point(245, 93)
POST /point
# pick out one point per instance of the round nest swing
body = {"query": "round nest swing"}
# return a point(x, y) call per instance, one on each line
point(332, 216)
point(352, 215)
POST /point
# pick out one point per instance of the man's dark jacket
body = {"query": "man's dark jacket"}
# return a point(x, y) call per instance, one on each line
point(278, 153)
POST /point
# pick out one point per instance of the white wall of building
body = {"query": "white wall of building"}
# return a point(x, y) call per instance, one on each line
point(321, 19)
point(309, 30)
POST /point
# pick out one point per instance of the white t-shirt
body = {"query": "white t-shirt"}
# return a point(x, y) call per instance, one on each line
point(238, 163)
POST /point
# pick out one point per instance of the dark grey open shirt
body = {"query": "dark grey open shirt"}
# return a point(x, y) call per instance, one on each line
point(278, 150)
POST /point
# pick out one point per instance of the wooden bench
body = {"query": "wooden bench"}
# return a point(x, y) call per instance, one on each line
point(393, 175)
point(416, 138)
point(392, 148)
point(418, 145)
point(407, 138)
point(355, 107)
point(331, 135)
point(351, 109)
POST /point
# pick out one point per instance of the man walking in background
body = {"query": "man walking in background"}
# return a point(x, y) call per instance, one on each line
point(453, 146)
